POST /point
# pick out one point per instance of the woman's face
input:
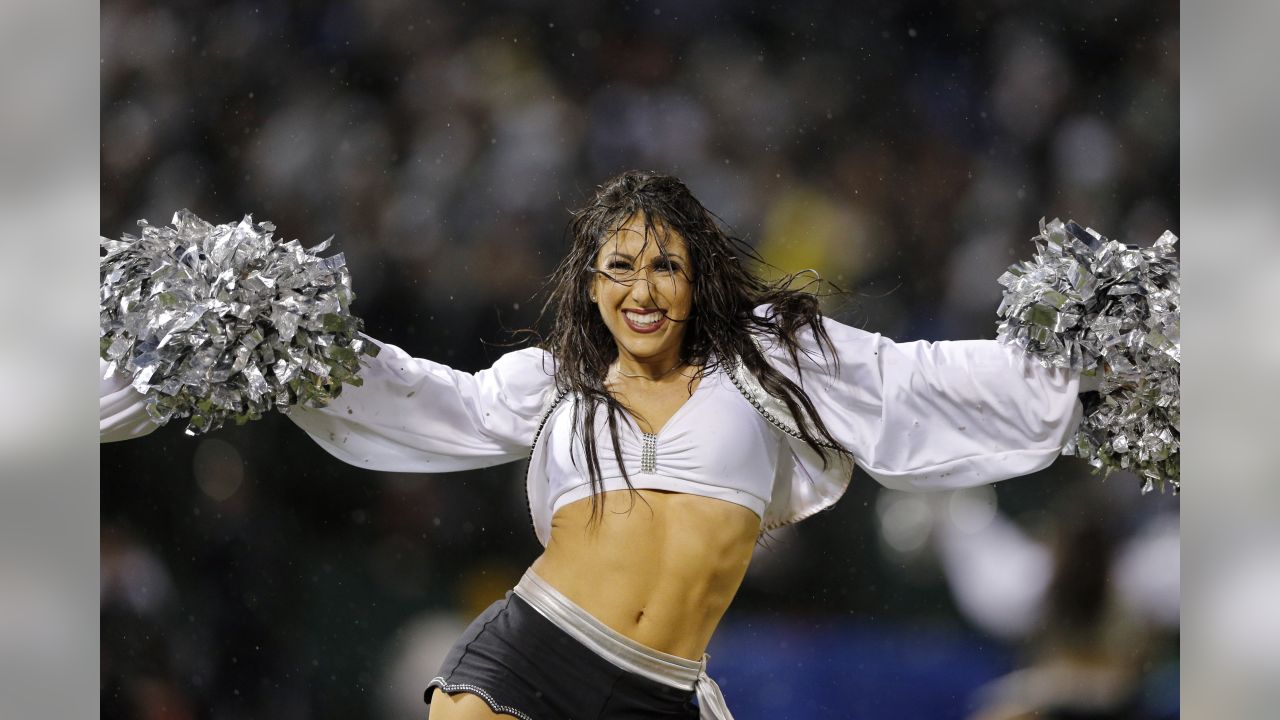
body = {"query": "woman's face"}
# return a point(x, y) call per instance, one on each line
point(645, 296)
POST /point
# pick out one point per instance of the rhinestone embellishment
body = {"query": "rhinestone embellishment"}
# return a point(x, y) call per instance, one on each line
point(649, 453)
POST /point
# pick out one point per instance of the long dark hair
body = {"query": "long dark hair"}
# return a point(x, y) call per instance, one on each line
point(720, 327)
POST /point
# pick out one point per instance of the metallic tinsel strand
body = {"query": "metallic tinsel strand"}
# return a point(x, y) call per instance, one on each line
point(218, 322)
point(1112, 311)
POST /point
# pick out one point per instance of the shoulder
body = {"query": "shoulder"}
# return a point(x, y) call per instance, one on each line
point(524, 378)
point(532, 364)
point(763, 312)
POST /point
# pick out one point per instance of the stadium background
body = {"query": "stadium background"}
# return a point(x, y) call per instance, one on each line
point(906, 150)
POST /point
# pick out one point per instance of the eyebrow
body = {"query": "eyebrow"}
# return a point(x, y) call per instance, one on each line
point(615, 253)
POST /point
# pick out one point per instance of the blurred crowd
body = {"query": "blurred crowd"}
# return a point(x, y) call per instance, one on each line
point(906, 151)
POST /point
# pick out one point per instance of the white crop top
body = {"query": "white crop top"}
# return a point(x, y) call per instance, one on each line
point(716, 445)
point(914, 416)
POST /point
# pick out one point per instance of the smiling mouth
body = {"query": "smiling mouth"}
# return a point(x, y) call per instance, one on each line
point(644, 322)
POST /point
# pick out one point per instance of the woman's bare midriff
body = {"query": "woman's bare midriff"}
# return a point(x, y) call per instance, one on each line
point(660, 567)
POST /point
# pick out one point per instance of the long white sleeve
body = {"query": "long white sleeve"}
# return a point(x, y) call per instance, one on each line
point(410, 415)
point(122, 414)
point(415, 415)
point(924, 416)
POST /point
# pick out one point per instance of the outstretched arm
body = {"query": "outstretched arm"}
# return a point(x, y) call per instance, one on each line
point(415, 415)
point(410, 414)
point(122, 414)
point(934, 415)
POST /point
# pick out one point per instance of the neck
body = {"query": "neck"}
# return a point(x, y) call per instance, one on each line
point(651, 368)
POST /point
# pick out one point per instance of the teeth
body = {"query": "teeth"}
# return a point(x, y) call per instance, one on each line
point(646, 319)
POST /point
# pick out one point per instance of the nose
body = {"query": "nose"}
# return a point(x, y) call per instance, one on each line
point(642, 290)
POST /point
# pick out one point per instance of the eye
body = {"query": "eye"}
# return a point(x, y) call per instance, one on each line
point(669, 266)
point(618, 265)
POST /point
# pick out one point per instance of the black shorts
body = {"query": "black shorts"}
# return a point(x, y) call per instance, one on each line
point(521, 664)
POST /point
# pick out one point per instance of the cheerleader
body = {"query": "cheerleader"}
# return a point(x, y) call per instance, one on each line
point(678, 408)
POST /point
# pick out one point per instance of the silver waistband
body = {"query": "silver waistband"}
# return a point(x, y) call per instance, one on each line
point(671, 670)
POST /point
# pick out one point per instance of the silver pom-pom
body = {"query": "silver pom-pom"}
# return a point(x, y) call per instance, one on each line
point(218, 322)
point(1111, 311)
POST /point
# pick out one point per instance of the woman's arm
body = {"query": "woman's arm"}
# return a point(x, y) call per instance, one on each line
point(409, 415)
point(122, 414)
point(933, 415)
point(415, 415)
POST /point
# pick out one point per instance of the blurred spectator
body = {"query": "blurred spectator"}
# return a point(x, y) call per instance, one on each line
point(140, 679)
point(1089, 605)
